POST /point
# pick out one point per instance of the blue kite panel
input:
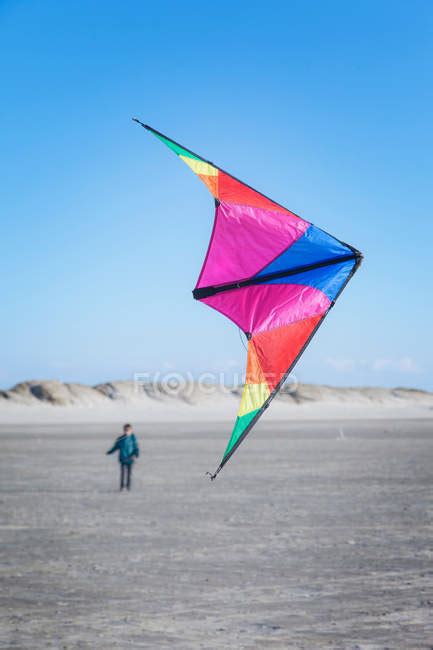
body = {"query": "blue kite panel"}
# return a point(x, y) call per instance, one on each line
point(328, 279)
point(314, 246)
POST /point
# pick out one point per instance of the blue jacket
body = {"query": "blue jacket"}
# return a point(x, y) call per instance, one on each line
point(127, 447)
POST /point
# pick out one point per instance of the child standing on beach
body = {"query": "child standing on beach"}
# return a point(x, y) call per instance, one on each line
point(127, 446)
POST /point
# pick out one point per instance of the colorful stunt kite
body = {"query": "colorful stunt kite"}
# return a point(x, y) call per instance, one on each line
point(272, 273)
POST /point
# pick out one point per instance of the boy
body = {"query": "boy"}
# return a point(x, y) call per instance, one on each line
point(127, 446)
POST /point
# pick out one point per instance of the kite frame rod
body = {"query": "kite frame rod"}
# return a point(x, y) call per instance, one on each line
point(205, 292)
point(209, 162)
point(286, 374)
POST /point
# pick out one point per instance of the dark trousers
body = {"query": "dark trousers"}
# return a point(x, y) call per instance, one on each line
point(125, 475)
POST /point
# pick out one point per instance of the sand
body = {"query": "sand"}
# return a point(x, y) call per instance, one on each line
point(316, 535)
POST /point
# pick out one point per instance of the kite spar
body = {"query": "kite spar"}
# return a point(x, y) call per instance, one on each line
point(272, 273)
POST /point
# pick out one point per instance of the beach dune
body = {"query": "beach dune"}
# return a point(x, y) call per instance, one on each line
point(54, 401)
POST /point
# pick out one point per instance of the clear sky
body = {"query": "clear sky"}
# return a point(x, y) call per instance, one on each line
point(324, 106)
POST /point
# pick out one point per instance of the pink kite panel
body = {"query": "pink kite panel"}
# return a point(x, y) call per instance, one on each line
point(245, 240)
point(262, 307)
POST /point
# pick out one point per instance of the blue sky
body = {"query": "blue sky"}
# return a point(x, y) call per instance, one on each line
point(326, 107)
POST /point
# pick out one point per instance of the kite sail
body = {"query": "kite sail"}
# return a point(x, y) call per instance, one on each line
point(272, 273)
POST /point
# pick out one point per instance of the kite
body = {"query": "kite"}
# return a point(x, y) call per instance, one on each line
point(272, 273)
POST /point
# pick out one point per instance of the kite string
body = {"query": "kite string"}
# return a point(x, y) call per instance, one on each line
point(242, 340)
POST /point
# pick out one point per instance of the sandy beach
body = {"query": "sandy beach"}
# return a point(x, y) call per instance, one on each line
point(315, 535)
